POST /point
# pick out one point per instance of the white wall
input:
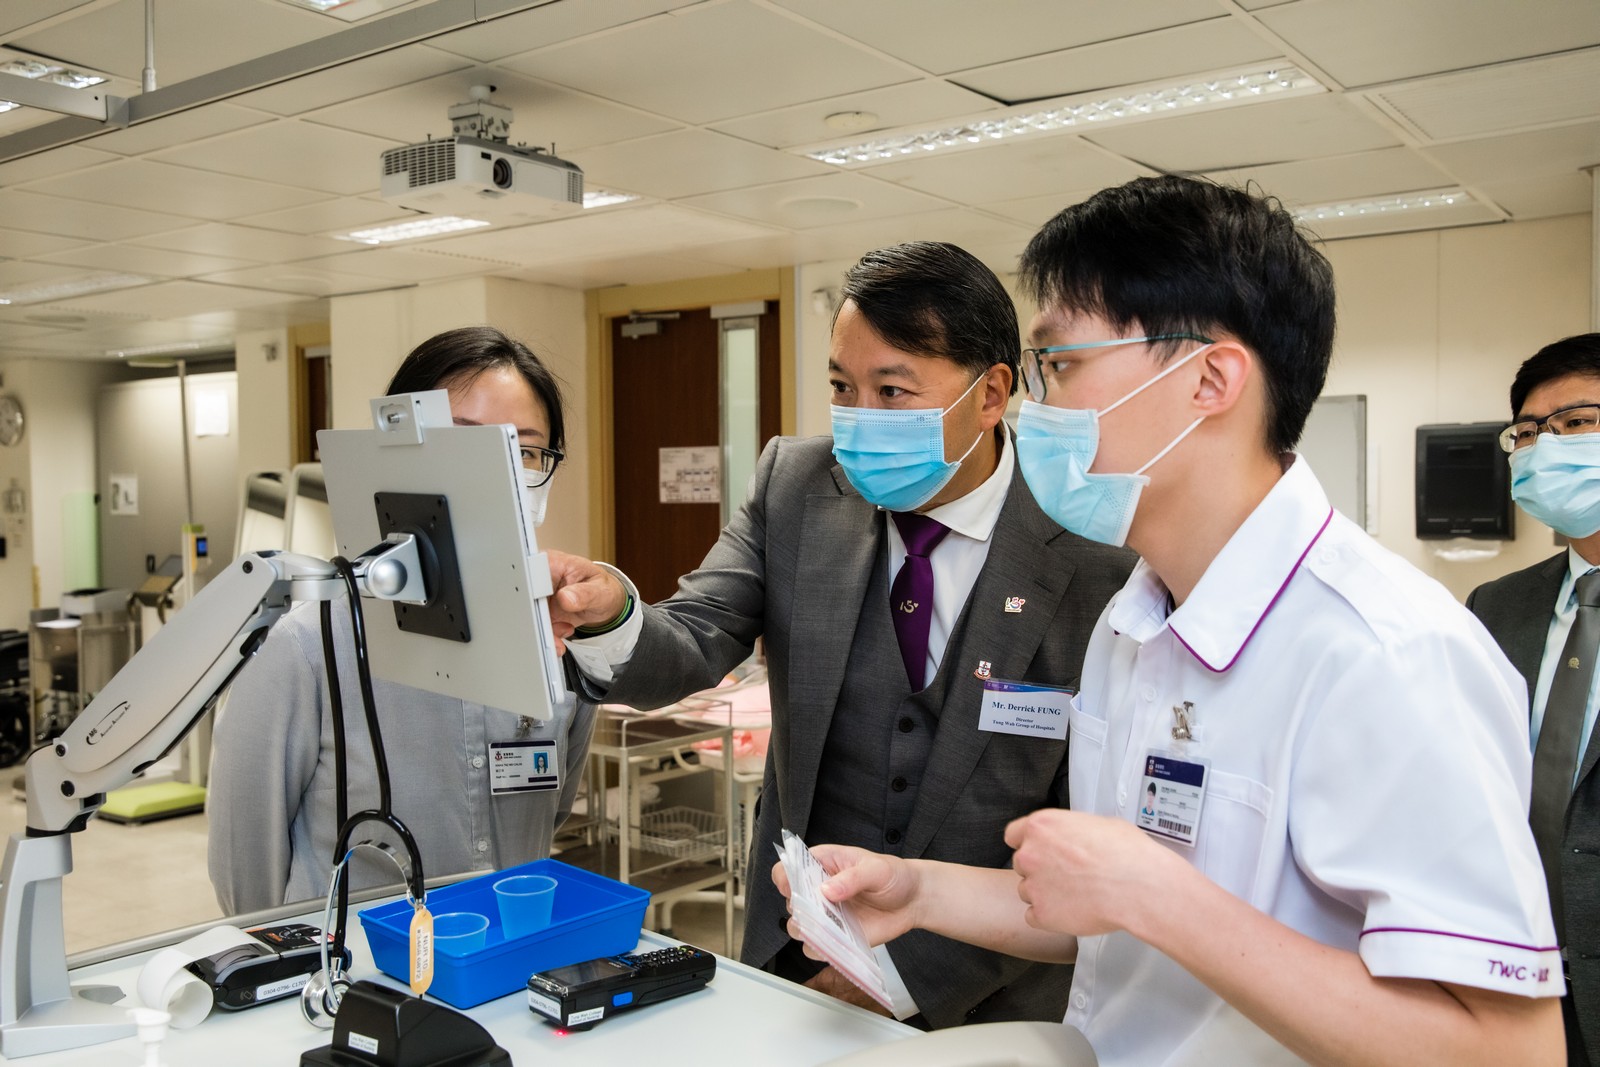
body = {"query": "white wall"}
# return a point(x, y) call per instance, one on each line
point(1432, 328)
point(372, 332)
point(263, 360)
point(54, 461)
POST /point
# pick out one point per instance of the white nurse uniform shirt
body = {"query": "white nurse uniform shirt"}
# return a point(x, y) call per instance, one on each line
point(1368, 783)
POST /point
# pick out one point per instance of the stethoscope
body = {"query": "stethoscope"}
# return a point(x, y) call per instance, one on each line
point(324, 991)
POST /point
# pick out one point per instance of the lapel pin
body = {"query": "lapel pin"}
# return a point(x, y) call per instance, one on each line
point(909, 606)
point(1014, 604)
point(1183, 724)
point(983, 669)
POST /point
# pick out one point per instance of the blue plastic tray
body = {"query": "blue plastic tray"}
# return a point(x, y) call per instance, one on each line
point(593, 916)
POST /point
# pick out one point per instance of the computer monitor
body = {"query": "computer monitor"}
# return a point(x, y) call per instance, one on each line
point(1463, 482)
point(262, 512)
point(308, 524)
point(485, 635)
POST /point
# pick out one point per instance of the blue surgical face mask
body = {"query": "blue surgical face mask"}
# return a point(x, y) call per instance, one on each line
point(895, 458)
point(1557, 481)
point(1056, 448)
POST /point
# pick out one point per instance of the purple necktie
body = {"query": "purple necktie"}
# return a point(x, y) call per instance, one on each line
point(911, 596)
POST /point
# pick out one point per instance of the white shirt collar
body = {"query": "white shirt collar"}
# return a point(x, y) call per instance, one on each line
point(975, 514)
point(1241, 584)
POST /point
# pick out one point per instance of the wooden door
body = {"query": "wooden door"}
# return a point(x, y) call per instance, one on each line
point(666, 393)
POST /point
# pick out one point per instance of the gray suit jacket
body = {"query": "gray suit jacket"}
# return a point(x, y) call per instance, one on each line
point(1516, 609)
point(793, 567)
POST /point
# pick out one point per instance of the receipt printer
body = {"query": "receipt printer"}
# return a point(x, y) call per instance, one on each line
point(275, 964)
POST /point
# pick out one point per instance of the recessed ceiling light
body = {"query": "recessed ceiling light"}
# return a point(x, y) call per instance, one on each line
point(1400, 203)
point(1073, 114)
point(411, 229)
point(605, 198)
point(171, 348)
point(93, 283)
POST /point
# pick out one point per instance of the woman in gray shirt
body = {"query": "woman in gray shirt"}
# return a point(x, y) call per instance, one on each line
point(271, 802)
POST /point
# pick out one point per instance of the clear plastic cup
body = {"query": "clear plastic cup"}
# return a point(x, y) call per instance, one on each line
point(526, 903)
point(458, 933)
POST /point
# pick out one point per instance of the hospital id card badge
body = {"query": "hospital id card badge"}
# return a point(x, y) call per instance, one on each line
point(523, 766)
point(1170, 797)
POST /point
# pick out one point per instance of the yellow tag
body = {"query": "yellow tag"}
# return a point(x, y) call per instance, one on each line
point(421, 949)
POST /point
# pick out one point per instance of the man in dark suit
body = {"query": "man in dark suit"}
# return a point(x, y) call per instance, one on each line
point(1544, 618)
point(893, 572)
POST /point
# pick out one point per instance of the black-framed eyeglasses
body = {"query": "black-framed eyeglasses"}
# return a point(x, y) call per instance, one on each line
point(543, 461)
point(1579, 418)
point(1038, 370)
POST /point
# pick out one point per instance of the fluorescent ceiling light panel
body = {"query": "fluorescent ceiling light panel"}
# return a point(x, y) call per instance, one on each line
point(411, 229)
point(94, 283)
point(348, 10)
point(37, 68)
point(1071, 114)
point(1400, 203)
point(605, 198)
point(172, 348)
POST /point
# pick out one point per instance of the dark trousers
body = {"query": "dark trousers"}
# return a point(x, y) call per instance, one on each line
point(1577, 1053)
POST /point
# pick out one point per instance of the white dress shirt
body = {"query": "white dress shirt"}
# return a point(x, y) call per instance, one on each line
point(1368, 775)
point(1555, 641)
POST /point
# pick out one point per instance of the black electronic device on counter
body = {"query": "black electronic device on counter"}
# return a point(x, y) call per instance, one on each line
point(585, 993)
point(275, 966)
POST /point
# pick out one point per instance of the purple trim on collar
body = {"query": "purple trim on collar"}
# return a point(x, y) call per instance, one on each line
point(1265, 612)
point(1464, 937)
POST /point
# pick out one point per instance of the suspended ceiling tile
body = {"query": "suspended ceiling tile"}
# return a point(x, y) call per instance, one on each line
point(1466, 214)
point(23, 118)
point(44, 164)
point(543, 113)
point(23, 210)
point(137, 183)
point(1273, 131)
point(171, 300)
point(20, 245)
point(1013, 169)
point(1562, 151)
point(407, 264)
point(824, 200)
point(15, 18)
point(713, 62)
point(1161, 55)
point(1542, 197)
point(912, 103)
point(153, 262)
point(328, 216)
point(964, 228)
point(18, 273)
point(1501, 99)
point(1357, 177)
point(245, 242)
point(626, 270)
point(687, 162)
point(11, 332)
point(547, 25)
point(1037, 210)
point(750, 253)
point(1366, 42)
point(184, 127)
point(350, 81)
point(949, 35)
point(303, 278)
point(291, 153)
point(603, 235)
point(193, 37)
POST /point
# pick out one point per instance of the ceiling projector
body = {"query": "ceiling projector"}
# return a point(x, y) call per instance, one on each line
point(477, 173)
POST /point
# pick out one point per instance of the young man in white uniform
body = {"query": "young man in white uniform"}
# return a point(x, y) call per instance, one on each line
point(1338, 868)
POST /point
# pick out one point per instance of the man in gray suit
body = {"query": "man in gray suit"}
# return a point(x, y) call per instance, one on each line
point(1548, 628)
point(894, 573)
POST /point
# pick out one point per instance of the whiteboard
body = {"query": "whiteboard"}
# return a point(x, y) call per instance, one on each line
point(1335, 444)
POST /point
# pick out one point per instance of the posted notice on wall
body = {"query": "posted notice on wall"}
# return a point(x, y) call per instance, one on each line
point(691, 475)
point(124, 494)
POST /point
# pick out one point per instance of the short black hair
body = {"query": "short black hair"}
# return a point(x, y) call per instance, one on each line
point(1173, 254)
point(1578, 354)
point(457, 357)
point(933, 298)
